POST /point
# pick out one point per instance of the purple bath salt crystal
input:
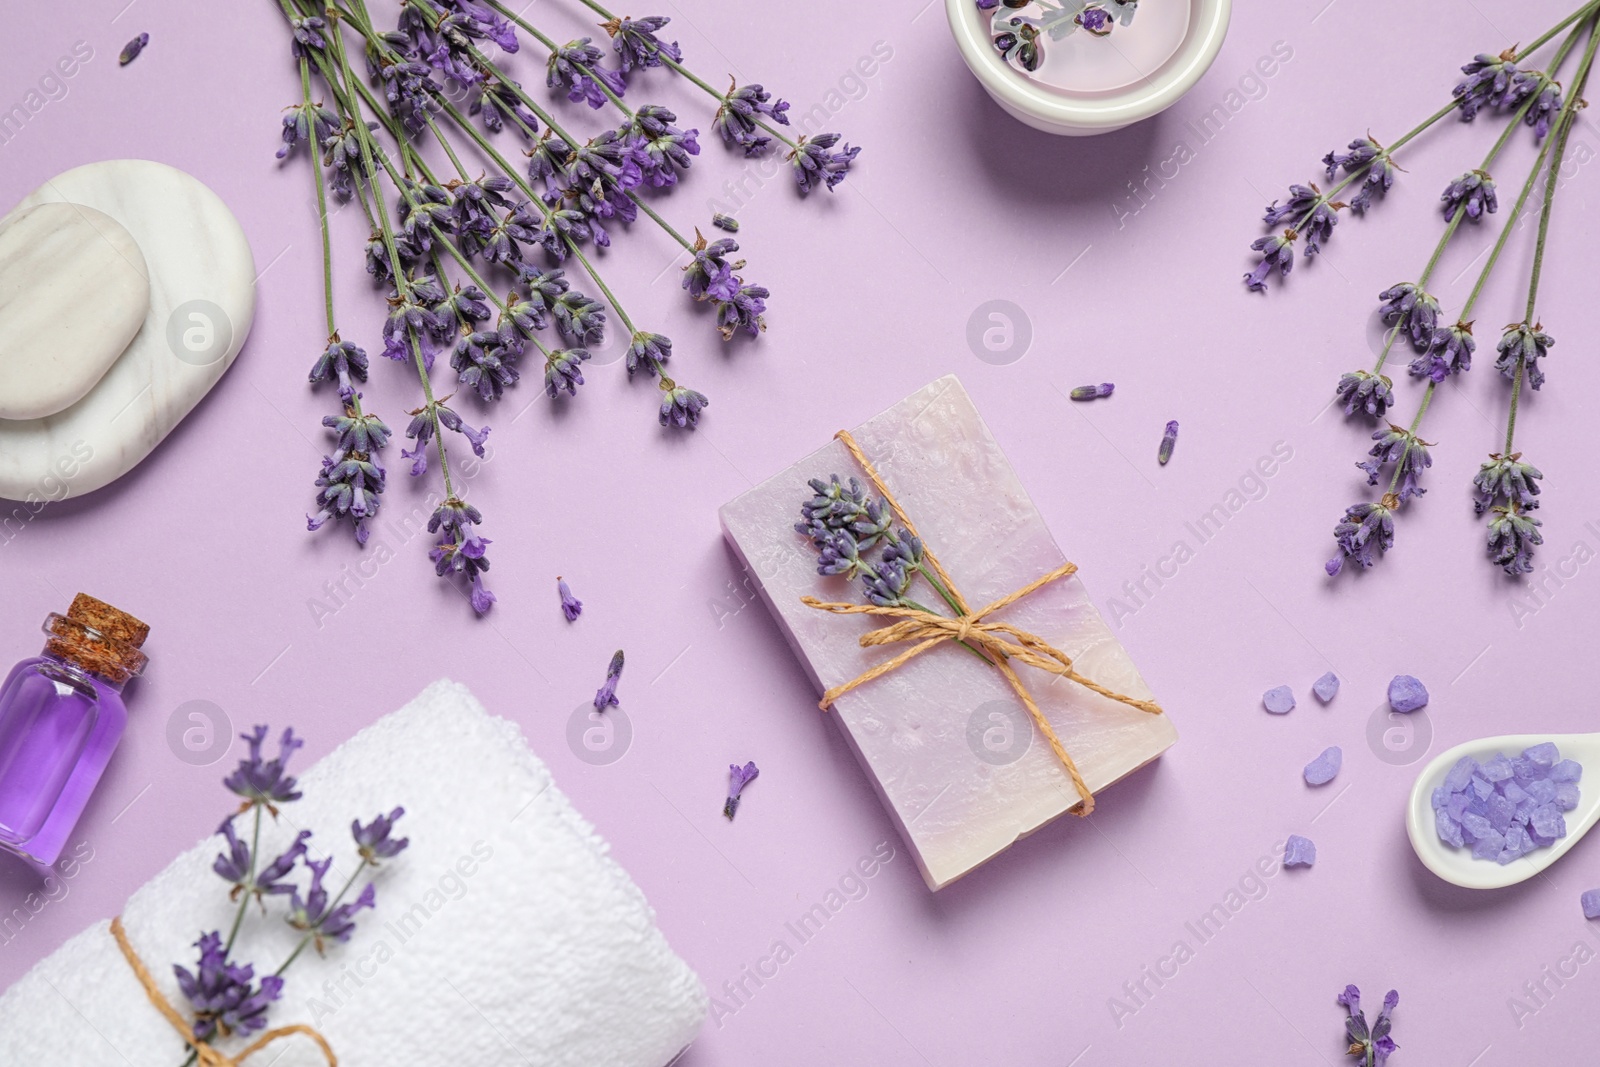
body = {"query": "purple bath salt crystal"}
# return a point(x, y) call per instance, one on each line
point(1326, 687)
point(1497, 769)
point(1481, 787)
point(1325, 767)
point(1449, 830)
point(1406, 694)
point(1566, 796)
point(1541, 790)
point(1591, 904)
point(1513, 792)
point(1501, 812)
point(1567, 770)
point(1475, 826)
point(1526, 770)
point(1547, 822)
point(1460, 774)
point(1439, 798)
point(1279, 700)
point(1544, 755)
point(1489, 846)
point(1299, 852)
point(1455, 806)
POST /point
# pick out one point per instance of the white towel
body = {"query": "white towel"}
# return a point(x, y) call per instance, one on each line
point(503, 934)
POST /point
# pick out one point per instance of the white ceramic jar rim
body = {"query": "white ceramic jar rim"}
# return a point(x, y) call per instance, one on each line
point(1064, 112)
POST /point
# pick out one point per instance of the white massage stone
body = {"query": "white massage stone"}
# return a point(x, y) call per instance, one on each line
point(73, 292)
point(201, 301)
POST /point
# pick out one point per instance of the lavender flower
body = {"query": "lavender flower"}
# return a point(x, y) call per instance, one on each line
point(1363, 391)
point(1523, 346)
point(743, 108)
point(234, 865)
point(318, 917)
point(709, 275)
point(838, 553)
point(352, 479)
point(1449, 352)
point(1365, 153)
point(725, 222)
point(647, 352)
point(131, 50)
point(1375, 1045)
point(1398, 446)
point(563, 369)
point(1169, 441)
point(225, 1000)
point(833, 504)
point(1410, 307)
point(743, 311)
point(1308, 213)
point(1094, 19)
point(343, 361)
point(263, 782)
point(887, 585)
point(658, 148)
point(606, 696)
point(499, 105)
point(460, 550)
point(571, 606)
point(681, 406)
point(375, 841)
point(303, 122)
point(1276, 251)
point(575, 66)
point(1513, 535)
point(580, 318)
point(1365, 527)
point(1487, 82)
point(428, 418)
point(1544, 110)
point(1092, 392)
point(485, 362)
point(1473, 192)
point(1508, 478)
point(739, 777)
point(636, 43)
point(817, 164)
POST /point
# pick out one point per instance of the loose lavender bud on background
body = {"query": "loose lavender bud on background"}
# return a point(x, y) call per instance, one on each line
point(606, 696)
point(131, 50)
point(571, 606)
point(1092, 392)
point(1169, 441)
point(725, 222)
point(738, 778)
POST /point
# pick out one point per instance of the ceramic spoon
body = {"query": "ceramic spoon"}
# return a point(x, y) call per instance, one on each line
point(1457, 865)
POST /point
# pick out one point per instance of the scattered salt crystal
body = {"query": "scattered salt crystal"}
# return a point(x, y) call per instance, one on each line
point(1591, 904)
point(1279, 700)
point(1406, 694)
point(1325, 767)
point(1299, 852)
point(1326, 687)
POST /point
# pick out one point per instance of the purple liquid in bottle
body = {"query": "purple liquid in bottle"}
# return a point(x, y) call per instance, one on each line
point(61, 716)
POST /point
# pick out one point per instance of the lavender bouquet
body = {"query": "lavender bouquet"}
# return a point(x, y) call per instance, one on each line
point(1526, 94)
point(227, 997)
point(453, 223)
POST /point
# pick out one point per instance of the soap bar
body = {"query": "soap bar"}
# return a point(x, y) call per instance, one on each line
point(73, 292)
point(954, 756)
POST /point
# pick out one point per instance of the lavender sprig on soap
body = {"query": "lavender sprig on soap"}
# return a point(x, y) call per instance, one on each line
point(223, 992)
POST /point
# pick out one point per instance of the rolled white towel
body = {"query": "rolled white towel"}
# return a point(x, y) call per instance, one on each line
point(503, 934)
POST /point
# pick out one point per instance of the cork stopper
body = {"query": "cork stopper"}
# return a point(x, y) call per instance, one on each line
point(99, 638)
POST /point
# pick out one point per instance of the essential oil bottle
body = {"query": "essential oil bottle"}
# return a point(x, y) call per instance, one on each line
point(61, 716)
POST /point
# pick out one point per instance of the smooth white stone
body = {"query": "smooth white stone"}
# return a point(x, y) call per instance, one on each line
point(73, 292)
point(201, 302)
point(923, 731)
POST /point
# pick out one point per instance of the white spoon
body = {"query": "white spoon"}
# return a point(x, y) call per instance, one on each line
point(1457, 865)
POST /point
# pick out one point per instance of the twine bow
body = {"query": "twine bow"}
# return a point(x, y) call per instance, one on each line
point(206, 1055)
point(999, 643)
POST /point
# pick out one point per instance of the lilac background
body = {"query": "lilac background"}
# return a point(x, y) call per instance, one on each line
point(953, 204)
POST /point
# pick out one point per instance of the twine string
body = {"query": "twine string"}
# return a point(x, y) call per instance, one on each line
point(206, 1054)
point(999, 642)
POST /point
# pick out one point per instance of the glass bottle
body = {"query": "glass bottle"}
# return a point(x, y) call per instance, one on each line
point(61, 716)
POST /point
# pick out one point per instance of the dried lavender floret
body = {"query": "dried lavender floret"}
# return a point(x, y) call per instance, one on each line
point(1591, 904)
point(131, 50)
point(1407, 694)
point(1326, 687)
point(1299, 852)
point(1279, 700)
point(1169, 441)
point(1325, 767)
point(1093, 392)
point(725, 222)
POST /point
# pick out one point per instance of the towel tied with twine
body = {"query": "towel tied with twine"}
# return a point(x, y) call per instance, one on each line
point(1001, 644)
point(206, 1054)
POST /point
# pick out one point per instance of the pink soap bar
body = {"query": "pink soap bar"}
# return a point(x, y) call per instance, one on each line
point(955, 757)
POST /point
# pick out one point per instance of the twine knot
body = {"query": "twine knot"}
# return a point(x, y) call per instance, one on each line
point(998, 643)
point(206, 1054)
